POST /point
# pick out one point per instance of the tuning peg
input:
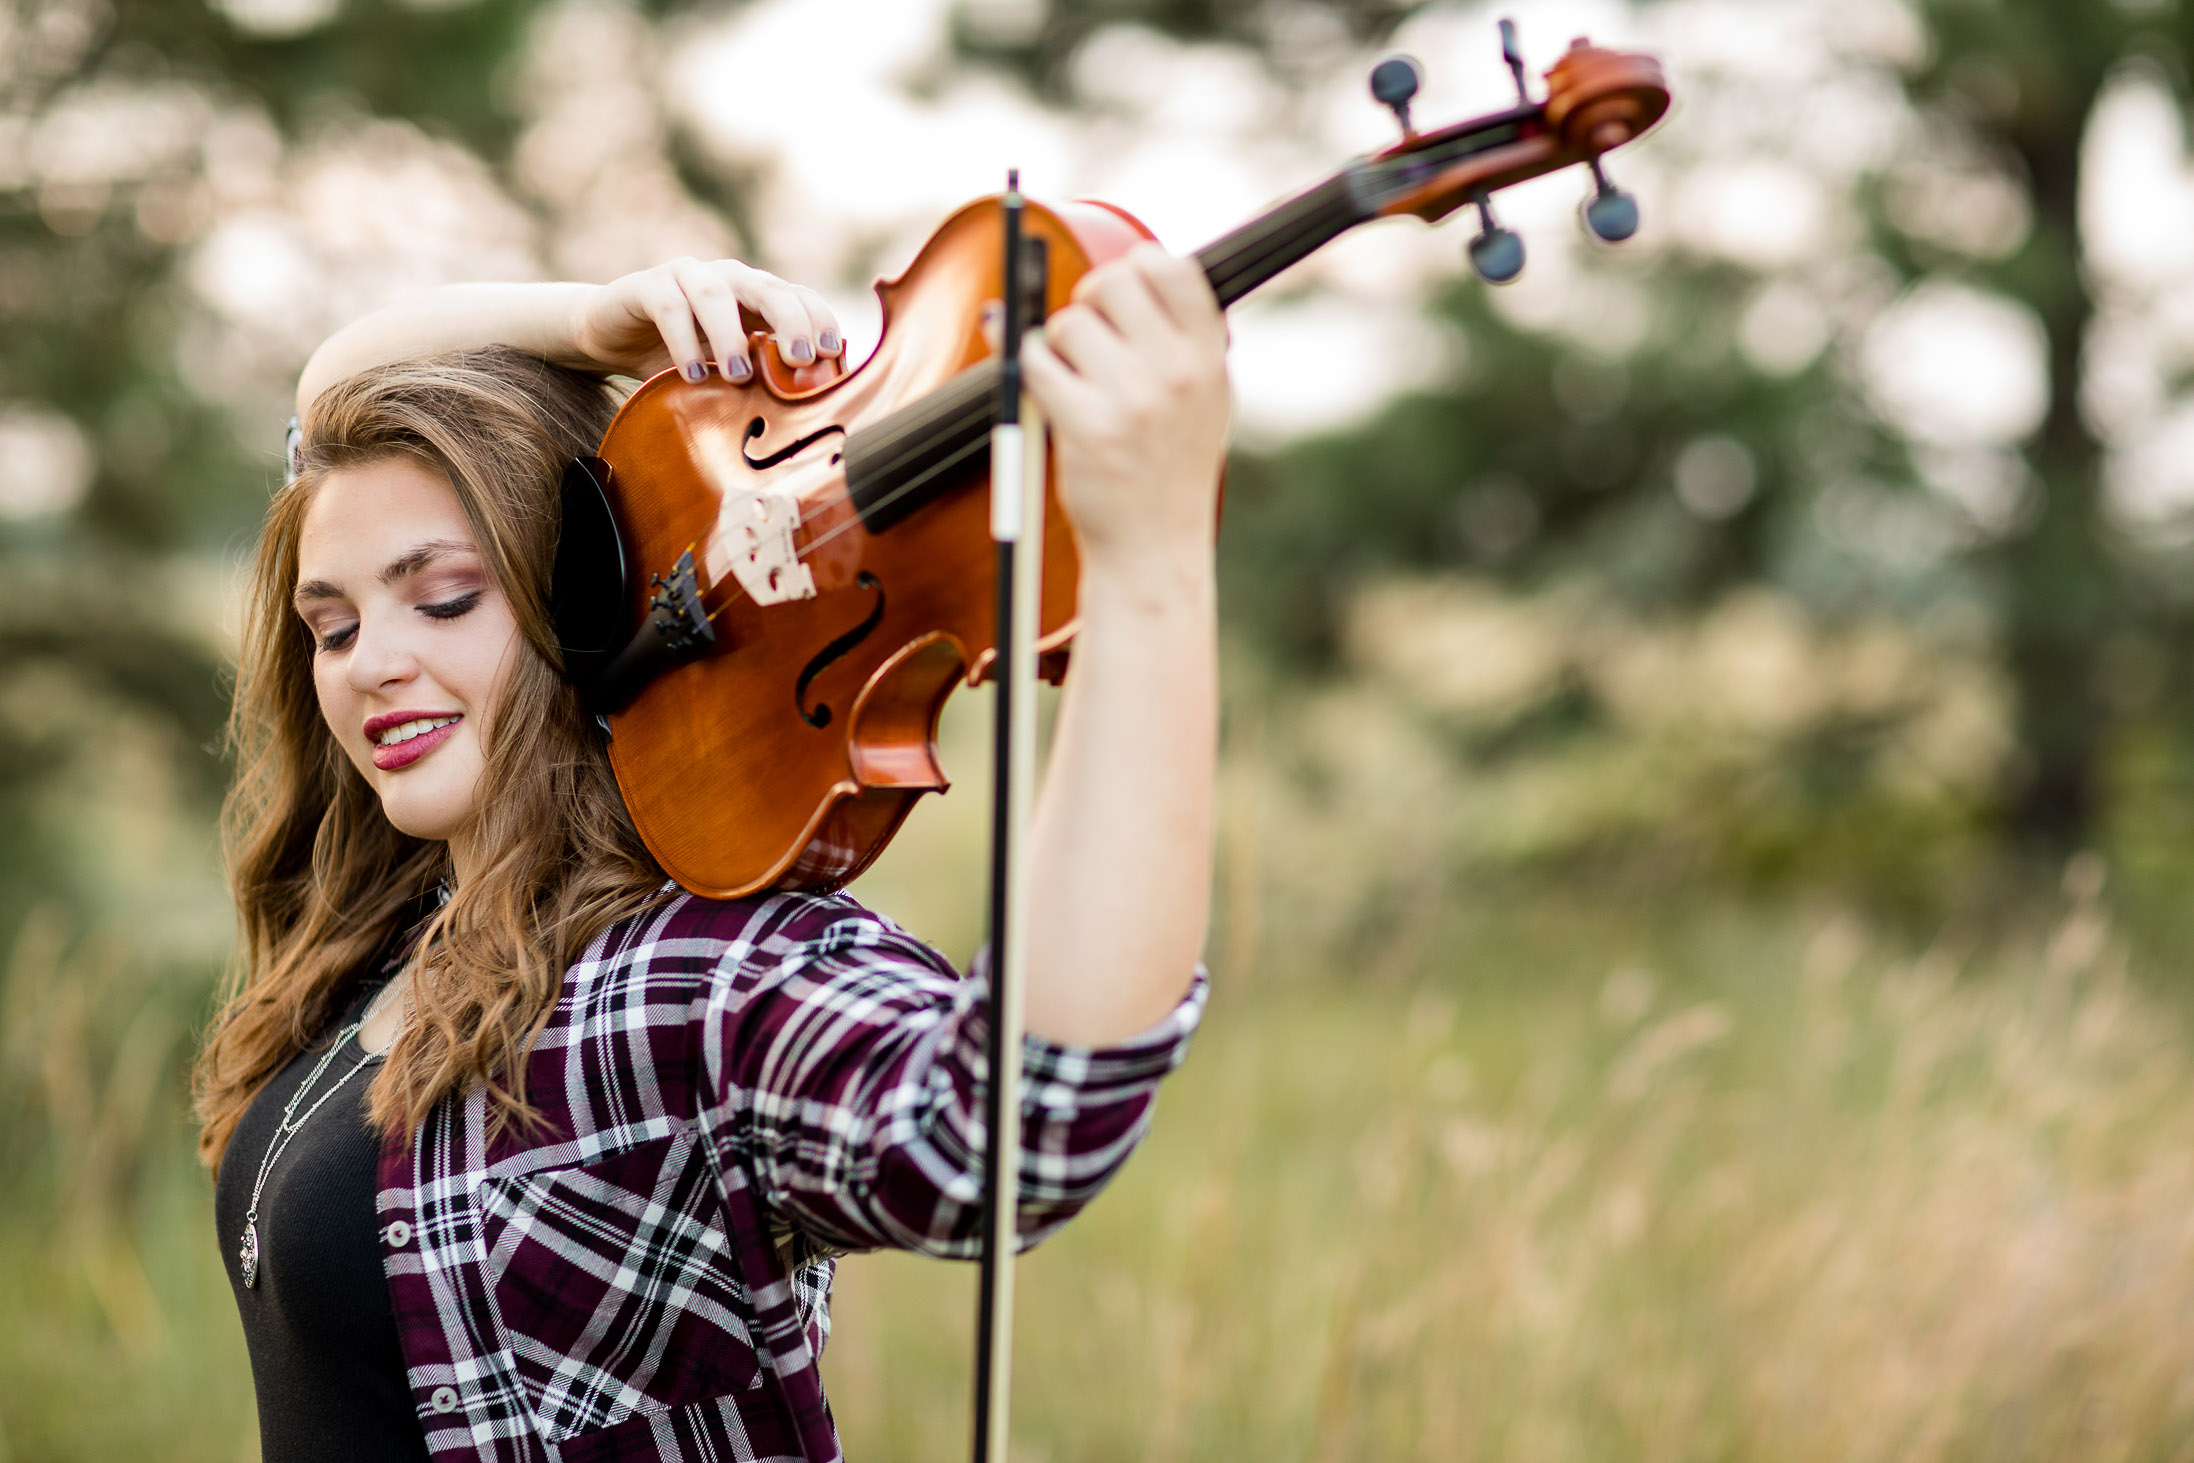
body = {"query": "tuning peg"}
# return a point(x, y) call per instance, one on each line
point(1512, 52)
point(1611, 215)
point(1497, 254)
point(1394, 82)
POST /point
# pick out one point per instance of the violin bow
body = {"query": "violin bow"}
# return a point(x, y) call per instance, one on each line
point(1017, 456)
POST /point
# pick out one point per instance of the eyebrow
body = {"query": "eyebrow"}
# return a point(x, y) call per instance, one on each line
point(411, 561)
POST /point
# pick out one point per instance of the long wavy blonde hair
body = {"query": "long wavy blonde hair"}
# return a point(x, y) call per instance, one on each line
point(323, 882)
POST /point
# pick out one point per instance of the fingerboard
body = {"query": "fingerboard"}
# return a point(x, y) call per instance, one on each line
point(902, 461)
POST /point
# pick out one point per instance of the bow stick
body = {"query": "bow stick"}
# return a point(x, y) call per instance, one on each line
point(1017, 527)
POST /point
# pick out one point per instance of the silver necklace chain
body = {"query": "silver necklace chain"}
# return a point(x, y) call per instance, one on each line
point(248, 1252)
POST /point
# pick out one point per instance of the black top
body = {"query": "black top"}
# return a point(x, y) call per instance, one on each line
point(324, 1355)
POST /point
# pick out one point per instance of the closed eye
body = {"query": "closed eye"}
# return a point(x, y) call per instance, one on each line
point(450, 609)
point(335, 639)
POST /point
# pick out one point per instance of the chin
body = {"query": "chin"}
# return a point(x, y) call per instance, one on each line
point(434, 824)
point(421, 809)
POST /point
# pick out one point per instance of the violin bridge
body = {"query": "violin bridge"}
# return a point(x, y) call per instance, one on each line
point(753, 538)
point(754, 541)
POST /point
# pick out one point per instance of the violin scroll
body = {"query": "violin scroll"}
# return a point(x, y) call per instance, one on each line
point(1596, 101)
point(1599, 100)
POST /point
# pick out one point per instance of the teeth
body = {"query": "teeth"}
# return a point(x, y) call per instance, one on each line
point(396, 735)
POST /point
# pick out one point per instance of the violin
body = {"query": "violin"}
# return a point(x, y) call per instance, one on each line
point(769, 589)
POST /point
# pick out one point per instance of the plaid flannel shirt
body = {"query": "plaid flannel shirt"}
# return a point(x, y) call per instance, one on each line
point(736, 1091)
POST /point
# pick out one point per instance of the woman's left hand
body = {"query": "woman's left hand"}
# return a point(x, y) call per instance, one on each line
point(685, 313)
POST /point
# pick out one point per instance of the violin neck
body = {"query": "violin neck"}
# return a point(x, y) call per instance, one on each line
point(1244, 259)
point(1238, 262)
point(902, 461)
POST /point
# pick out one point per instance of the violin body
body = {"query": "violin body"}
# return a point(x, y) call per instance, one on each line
point(826, 700)
point(807, 556)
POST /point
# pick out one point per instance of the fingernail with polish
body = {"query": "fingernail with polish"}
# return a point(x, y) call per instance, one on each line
point(694, 371)
point(828, 343)
point(801, 352)
point(737, 369)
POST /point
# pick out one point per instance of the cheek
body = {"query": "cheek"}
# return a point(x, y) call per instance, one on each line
point(338, 706)
point(483, 664)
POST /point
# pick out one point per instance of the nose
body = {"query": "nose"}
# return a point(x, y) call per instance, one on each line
point(379, 659)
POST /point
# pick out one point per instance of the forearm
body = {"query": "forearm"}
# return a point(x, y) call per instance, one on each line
point(1120, 850)
point(532, 317)
point(848, 1075)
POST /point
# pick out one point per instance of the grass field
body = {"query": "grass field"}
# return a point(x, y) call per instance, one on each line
point(1744, 1188)
point(1571, 1184)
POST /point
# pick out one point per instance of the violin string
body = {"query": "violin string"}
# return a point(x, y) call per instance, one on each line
point(739, 591)
point(1223, 260)
point(1226, 260)
point(1248, 253)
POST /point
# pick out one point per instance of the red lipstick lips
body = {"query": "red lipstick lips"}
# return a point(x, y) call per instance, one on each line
point(404, 753)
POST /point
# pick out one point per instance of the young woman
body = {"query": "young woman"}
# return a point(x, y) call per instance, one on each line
point(524, 1154)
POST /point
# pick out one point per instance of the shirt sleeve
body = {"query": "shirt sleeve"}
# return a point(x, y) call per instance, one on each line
point(851, 1077)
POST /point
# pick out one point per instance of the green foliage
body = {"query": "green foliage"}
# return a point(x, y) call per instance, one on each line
point(1041, 56)
point(90, 306)
point(1541, 459)
point(2017, 82)
point(433, 64)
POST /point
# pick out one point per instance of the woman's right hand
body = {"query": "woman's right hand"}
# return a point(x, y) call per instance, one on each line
point(1132, 376)
point(685, 313)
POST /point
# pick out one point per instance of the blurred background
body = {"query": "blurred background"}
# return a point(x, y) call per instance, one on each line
point(1703, 953)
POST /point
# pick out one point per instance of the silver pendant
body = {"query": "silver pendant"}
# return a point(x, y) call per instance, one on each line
point(249, 1255)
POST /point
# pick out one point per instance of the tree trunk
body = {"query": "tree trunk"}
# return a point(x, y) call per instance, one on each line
point(2060, 591)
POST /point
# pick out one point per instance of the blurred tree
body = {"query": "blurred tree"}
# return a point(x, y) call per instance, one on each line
point(1559, 458)
point(91, 225)
point(115, 457)
point(2023, 78)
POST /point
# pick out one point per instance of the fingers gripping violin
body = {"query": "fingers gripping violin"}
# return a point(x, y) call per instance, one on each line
point(770, 589)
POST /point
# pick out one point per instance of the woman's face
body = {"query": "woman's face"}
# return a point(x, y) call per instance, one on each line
point(412, 638)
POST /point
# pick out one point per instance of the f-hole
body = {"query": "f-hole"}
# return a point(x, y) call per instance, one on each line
point(757, 427)
point(820, 716)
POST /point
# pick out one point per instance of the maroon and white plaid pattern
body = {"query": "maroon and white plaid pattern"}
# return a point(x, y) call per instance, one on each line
point(735, 1091)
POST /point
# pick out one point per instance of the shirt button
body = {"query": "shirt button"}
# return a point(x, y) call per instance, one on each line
point(444, 1399)
point(398, 1234)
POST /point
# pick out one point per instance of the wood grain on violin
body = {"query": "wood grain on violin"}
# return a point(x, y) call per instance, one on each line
point(839, 530)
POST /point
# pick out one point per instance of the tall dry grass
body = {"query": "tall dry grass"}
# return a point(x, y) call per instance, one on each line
point(116, 1334)
point(1793, 1198)
point(1576, 1182)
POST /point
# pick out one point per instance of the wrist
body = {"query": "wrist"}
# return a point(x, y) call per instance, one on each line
point(571, 344)
point(1149, 583)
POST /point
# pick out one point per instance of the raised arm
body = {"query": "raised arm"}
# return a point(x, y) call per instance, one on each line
point(850, 1060)
point(1132, 378)
point(684, 313)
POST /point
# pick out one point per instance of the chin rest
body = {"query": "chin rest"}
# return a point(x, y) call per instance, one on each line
point(588, 597)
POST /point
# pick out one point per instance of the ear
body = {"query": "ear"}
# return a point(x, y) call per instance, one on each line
point(588, 597)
